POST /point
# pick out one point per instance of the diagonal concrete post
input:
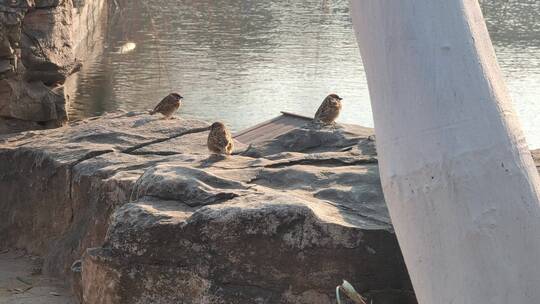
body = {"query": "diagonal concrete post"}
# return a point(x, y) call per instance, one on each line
point(460, 183)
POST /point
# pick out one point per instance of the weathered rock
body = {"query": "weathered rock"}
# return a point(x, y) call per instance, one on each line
point(32, 101)
point(6, 51)
point(47, 52)
point(5, 66)
point(47, 3)
point(11, 125)
point(170, 224)
point(38, 43)
point(313, 139)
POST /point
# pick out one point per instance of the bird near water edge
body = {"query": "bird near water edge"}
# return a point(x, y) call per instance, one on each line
point(329, 110)
point(220, 140)
point(168, 105)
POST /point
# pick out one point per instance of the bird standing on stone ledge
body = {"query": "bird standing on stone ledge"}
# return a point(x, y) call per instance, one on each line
point(329, 110)
point(219, 139)
point(168, 105)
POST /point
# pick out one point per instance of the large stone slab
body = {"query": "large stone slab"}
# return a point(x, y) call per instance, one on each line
point(284, 222)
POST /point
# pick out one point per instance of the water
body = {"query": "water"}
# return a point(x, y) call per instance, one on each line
point(243, 61)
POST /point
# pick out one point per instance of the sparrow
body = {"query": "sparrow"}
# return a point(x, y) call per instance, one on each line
point(219, 139)
point(168, 105)
point(329, 110)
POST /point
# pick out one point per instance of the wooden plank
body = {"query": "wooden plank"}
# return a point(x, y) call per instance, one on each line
point(257, 126)
point(270, 128)
point(296, 115)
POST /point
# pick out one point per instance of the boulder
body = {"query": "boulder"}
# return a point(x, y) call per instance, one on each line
point(47, 51)
point(5, 66)
point(39, 43)
point(32, 101)
point(47, 3)
point(156, 219)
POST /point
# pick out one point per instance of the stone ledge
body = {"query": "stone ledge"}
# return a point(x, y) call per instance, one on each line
point(169, 223)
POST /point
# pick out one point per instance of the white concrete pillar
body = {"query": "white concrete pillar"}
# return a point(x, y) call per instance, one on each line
point(461, 186)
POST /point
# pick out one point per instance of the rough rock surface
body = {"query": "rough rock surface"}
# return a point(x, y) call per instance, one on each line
point(38, 41)
point(284, 222)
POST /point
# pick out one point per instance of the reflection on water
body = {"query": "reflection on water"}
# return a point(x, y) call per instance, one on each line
point(515, 29)
point(243, 61)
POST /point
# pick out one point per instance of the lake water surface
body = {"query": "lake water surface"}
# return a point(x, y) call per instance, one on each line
point(243, 61)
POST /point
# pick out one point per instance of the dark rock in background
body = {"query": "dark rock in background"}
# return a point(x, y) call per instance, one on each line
point(38, 41)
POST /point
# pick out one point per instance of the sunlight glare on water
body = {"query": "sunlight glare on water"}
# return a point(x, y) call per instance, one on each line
point(242, 62)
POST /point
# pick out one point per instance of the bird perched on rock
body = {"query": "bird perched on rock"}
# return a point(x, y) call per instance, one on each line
point(168, 105)
point(219, 139)
point(329, 110)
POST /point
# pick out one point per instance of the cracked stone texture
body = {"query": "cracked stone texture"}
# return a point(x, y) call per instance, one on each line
point(38, 42)
point(169, 223)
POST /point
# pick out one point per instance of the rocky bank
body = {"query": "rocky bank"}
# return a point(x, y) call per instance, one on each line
point(282, 222)
point(39, 44)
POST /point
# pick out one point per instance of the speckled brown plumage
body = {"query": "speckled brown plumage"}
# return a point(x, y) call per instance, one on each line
point(168, 105)
point(219, 139)
point(329, 110)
